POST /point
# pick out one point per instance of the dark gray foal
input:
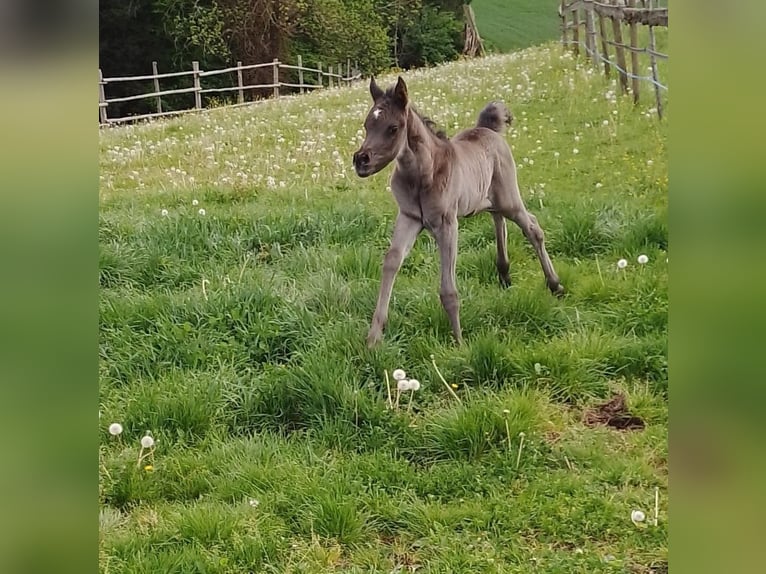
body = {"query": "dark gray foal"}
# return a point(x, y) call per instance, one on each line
point(436, 181)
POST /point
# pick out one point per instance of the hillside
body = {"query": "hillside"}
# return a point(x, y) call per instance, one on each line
point(507, 25)
point(240, 260)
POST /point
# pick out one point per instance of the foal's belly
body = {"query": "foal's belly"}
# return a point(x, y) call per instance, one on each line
point(472, 194)
point(471, 206)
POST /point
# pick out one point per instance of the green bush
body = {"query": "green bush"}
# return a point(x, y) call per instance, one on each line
point(434, 37)
point(331, 31)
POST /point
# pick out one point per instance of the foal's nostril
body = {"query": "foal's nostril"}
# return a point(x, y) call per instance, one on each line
point(362, 158)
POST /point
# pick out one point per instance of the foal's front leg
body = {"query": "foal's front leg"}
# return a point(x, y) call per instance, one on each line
point(446, 240)
point(406, 230)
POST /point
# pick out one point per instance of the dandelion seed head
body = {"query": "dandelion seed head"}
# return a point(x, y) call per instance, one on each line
point(399, 375)
point(164, 212)
point(147, 441)
point(643, 259)
point(414, 385)
point(637, 516)
point(201, 212)
point(195, 202)
point(403, 385)
point(622, 263)
point(115, 429)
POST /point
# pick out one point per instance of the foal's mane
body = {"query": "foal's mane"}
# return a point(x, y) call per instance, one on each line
point(428, 122)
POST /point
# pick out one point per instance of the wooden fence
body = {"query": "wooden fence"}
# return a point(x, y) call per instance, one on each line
point(587, 19)
point(331, 75)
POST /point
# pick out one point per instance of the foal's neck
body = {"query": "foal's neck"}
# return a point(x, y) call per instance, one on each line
point(417, 154)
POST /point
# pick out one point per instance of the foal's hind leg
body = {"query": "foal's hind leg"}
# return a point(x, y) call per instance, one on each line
point(501, 236)
point(534, 233)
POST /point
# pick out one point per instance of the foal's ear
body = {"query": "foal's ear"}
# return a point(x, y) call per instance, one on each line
point(400, 93)
point(375, 90)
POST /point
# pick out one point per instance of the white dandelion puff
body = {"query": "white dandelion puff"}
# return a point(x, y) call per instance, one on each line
point(403, 386)
point(147, 441)
point(201, 212)
point(399, 375)
point(637, 516)
point(164, 212)
point(195, 202)
point(622, 263)
point(115, 429)
point(643, 259)
point(414, 385)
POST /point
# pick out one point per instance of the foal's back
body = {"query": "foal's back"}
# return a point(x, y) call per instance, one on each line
point(484, 175)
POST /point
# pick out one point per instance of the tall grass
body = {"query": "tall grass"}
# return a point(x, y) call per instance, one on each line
point(236, 337)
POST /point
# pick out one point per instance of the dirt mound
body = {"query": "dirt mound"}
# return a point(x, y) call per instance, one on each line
point(613, 413)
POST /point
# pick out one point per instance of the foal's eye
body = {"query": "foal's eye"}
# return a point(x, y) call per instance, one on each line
point(393, 129)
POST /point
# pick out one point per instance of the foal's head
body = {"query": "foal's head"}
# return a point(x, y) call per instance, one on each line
point(385, 127)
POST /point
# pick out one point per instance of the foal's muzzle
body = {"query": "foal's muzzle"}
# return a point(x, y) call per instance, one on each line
point(362, 163)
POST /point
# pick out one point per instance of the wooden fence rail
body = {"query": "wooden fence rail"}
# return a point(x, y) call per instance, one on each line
point(324, 78)
point(584, 14)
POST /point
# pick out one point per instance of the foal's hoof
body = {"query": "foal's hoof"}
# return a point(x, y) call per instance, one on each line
point(558, 290)
point(373, 339)
point(505, 282)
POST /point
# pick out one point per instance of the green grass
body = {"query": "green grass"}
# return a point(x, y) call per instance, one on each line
point(506, 25)
point(237, 339)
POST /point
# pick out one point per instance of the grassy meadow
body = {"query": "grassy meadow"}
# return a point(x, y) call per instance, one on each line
point(506, 25)
point(239, 267)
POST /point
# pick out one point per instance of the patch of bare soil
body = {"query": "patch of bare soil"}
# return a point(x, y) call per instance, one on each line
point(613, 413)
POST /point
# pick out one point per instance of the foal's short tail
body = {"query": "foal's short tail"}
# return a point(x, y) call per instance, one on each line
point(494, 116)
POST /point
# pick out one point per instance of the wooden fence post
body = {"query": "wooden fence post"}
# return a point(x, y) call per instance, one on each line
point(576, 30)
point(604, 48)
point(563, 16)
point(319, 74)
point(329, 76)
point(590, 35)
point(240, 83)
point(276, 77)
point(653, 58)
point(340, 75)
point(102, 98)
point(300, 72)
point(157, 86)
point(197, 86)
point(348, 71)
point(620, 51)
point(634, 54)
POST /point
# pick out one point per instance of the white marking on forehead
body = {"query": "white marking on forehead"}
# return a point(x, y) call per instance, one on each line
point(376, 112)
